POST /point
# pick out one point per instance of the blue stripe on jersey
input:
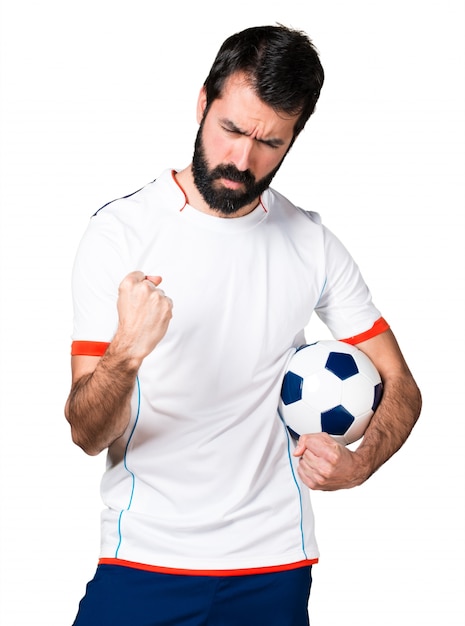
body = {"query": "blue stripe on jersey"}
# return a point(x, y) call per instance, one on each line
point(122, 198)
point(296, 483)
point(128, 470)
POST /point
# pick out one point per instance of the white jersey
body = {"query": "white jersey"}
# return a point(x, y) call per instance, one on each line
point(204, 480)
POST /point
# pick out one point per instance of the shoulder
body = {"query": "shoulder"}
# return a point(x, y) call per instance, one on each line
point(279, 204)
point(307, 227)
point(281, 208)
point(144, 203)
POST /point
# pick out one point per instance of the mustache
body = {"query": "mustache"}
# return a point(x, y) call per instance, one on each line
point(232, 173)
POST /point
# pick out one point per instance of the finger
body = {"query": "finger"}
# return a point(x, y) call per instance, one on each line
point(299, 449)
point(306, 442)
point(156, 280)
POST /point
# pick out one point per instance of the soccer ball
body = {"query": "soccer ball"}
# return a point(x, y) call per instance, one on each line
point(330, 386)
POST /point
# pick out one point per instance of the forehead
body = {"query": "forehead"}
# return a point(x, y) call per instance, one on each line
point(240, 105)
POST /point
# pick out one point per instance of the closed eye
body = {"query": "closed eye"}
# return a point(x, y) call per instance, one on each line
point(271, 143)
point(232, 129)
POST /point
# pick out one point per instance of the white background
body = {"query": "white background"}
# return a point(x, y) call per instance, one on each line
point(98, 97)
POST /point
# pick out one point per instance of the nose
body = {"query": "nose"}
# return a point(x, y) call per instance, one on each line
point(242, 153)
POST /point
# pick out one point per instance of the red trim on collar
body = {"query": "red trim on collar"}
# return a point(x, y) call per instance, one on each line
point(173, 174)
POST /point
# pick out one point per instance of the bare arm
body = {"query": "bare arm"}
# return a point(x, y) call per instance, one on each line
point(327, 465)
point(98, 406)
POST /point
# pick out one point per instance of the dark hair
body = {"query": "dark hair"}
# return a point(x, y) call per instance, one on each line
point(281, 63)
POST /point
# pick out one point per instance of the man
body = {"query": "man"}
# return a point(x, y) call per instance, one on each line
point(208, 518)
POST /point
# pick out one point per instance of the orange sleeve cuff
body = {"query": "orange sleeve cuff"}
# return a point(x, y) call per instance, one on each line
point(380, 326)
point(98, 348)
point(89, 348)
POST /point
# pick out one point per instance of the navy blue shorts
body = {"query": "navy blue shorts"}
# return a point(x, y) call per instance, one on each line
point(123, 596)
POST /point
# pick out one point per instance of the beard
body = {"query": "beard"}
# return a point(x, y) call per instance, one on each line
point(219, 198)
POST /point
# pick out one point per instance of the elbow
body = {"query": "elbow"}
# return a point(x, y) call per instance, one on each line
point(84, 443)
point(418, 400)
point(79, 437)
point(412, 401)
point(414, 397)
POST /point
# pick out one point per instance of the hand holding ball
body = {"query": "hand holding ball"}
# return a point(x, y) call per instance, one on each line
point(330, 386)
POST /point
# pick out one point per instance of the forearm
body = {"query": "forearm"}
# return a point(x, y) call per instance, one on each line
point(98, 407)
point(390, 425)
point(327, 465)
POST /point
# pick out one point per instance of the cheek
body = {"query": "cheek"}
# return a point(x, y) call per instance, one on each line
point(215, 146)
point(266, 163)
point(216, 152)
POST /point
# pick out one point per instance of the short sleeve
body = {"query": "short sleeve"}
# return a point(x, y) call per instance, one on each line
point(99, 267)
point(345, 304)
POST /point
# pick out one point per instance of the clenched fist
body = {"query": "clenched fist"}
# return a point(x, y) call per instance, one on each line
point(144, 314)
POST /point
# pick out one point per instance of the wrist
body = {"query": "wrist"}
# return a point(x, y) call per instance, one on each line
point(365, 466)
point(122, 351)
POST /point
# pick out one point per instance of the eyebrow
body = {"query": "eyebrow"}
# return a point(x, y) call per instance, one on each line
point(272, 141)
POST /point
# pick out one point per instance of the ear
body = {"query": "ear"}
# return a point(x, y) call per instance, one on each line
point(201, 104)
